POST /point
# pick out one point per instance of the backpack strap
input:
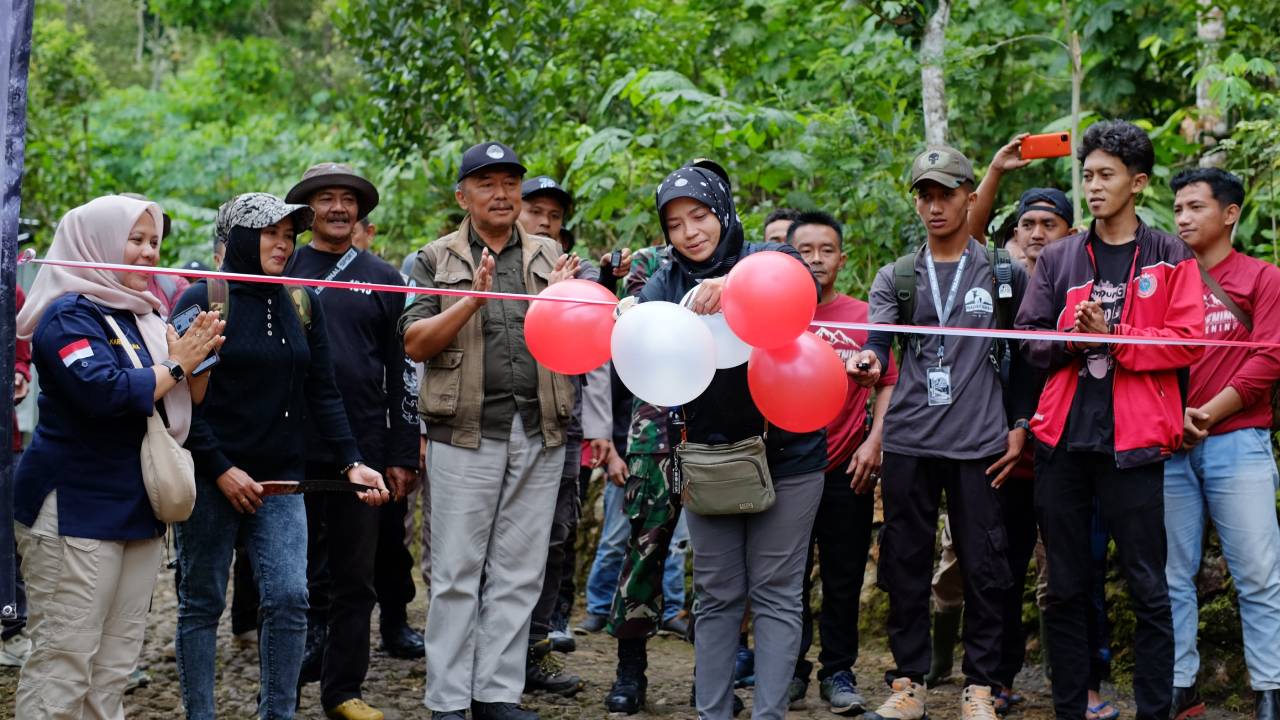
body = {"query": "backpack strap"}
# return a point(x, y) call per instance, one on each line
point(219, 297)
point(1002, 285)
point(301, 303)
point(904, 290)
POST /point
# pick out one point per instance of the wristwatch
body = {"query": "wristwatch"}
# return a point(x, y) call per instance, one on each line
point(175, 370)
point(1021, 423)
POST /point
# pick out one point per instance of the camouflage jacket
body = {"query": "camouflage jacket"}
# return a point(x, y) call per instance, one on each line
point(648, 432)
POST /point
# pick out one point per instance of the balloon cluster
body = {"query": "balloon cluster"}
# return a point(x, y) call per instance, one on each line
point(667, 355)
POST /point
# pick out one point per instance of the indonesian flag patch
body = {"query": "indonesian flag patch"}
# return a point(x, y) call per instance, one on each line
point(78, 350)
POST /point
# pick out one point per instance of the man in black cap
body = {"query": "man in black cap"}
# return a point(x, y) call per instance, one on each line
point(374, 376)
point(544, 205)
point(496, 430)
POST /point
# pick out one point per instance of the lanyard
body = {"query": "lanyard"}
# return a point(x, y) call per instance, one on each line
point(944, 311)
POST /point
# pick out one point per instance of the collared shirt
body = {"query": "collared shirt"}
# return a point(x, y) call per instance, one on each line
point(510, 373)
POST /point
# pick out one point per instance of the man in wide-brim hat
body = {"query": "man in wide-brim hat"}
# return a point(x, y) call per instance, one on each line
point(371, 370)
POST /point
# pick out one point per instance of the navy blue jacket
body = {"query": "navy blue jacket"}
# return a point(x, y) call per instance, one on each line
point(93, 414)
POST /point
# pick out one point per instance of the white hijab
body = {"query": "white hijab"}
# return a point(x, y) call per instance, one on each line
point(98, 231)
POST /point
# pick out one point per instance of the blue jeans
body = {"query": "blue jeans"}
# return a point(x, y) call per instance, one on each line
point(1233, 477)
point(607, 566)
point(276, 542)
point(602, 583)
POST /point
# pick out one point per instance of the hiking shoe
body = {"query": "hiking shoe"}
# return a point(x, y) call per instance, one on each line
point(842, 695)
point(1187, 703)
point(675, 626)
point(906, 702)
point(501, 711)
point(137, 679)
point(562, 641)
point(976, 703)
point(590, 625)
point(15, 651)
point(744, 667)
point(353, 709)
point(796, 690)
point(544, 672)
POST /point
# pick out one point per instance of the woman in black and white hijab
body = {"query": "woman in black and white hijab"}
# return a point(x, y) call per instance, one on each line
point(758, 557)
point(275, 373)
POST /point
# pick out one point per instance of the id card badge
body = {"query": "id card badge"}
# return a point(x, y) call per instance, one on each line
point(1005, 291)
point(939, 380)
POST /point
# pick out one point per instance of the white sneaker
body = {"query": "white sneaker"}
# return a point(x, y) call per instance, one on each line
point(15, 651)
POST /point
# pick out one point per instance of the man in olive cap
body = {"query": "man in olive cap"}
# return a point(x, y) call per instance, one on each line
point(947, 429)
point(496, 430)
point(375, 379)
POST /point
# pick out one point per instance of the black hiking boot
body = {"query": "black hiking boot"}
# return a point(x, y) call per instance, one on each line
point(628, 692)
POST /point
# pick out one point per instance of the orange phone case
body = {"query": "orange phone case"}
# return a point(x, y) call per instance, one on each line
point(1048, 145)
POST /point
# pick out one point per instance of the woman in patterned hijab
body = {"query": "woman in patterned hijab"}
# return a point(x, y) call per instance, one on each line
point(706, 240)
point(274, 375)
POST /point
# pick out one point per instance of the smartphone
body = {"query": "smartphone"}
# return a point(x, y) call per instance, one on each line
point(863, 366)
point(1047, 145)
point(181, 323)
point(615, 260)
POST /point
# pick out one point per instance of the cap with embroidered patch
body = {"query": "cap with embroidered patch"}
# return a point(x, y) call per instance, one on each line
point(942, 164)
point(543, 185)
point(488, 155)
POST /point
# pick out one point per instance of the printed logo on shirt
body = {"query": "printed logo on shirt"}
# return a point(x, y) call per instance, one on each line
point(359, 290)
point(844, 345)
point(75, 351)
point(1218, 320)
point(1146, 285)
point(1109, 295)
point(978, 302)
point(117, 343)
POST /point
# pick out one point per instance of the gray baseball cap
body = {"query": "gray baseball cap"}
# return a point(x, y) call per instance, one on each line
point(942, 164)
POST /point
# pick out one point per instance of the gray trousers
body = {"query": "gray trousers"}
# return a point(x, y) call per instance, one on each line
point(760, 558)
point(491, 511)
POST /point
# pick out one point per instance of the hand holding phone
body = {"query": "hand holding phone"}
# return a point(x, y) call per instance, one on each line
point(181, 324)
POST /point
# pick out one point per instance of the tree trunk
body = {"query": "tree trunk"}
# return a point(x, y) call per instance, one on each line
point(933, 86)
point(1210, 125)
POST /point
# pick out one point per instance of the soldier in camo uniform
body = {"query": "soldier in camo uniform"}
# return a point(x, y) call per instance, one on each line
point(652, 511)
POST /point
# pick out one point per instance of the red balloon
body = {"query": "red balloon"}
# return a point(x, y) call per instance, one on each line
point(769, 299)
point(570, 338)
point(800, 386)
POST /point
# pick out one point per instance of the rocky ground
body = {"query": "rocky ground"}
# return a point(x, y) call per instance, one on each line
point(396, 686)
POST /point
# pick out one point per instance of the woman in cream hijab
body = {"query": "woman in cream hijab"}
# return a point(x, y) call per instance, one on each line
point(89, 541)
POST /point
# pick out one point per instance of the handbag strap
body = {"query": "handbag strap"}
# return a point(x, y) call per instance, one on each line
point(1226, 300)
point(128, 344)
point(158, 416)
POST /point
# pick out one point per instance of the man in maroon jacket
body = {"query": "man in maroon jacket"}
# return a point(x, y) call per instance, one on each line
point(1226, 471)
point(1110, 414)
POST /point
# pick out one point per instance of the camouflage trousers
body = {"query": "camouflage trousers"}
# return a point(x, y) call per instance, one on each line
point(653, 513)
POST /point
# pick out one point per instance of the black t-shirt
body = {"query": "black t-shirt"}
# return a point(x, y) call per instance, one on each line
point(1091, 424)
point(376, 379)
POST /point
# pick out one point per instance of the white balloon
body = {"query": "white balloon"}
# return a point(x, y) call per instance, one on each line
point(663, 353)
point(731, 351)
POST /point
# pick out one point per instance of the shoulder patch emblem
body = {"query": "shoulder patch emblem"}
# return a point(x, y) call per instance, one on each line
point(1146, 285)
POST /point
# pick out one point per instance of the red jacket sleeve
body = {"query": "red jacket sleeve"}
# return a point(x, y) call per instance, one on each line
point(1261, 370)
point(1183, 318)
point(22, 356)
